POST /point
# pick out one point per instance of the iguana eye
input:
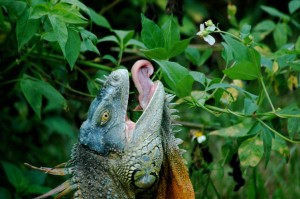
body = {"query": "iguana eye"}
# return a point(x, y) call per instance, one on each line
point(104, 117)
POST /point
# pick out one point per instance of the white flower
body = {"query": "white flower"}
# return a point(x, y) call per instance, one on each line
point(199, 136)
point(201, 139)
point(204, 32)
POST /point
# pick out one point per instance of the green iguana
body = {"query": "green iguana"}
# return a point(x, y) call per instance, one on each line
point(117, 158)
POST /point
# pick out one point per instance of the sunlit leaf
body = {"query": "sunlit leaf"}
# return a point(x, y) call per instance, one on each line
point(238, 130)
point(61, 32)
point(177, 77)
point(151, 34)
point(39, 11)
point(99, 19)
point(171, 33)
point(243, 70)
point(178, 47)
point(198, 77)
point(279, 145)
point(239, 50)
point(78, 4)
point(251, 151)
point(156, 53)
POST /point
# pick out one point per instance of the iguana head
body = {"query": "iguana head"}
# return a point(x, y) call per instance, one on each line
point(107, 127)
point(104, 129)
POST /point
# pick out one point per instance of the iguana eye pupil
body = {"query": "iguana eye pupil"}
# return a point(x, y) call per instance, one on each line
point(104, 117)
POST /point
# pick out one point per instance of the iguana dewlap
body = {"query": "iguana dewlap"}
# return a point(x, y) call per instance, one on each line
point(117, 158)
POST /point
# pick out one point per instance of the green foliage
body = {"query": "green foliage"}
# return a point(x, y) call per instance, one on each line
point(240, 93)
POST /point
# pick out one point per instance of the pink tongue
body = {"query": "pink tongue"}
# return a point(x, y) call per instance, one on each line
point(141, 72)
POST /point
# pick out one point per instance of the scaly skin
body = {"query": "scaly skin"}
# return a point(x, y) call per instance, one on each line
point(116, 158)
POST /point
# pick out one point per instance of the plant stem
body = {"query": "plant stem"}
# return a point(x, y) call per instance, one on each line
point(18, 61)
point(266, 92)
point(232, 35)
point(277, 133)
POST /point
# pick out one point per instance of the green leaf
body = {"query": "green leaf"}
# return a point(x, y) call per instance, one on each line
point(178, 47)
point(111, 38)
point(198, 77)
point(59, 125)
point(14, 8)
point(297, 45)
point(177, 77)
point(239, 50)
point(171, 34)
point(49, 36)
point(123, 36)
point(245, 31)
point(33, 90)
point(250, 106)
point(61, 32)
point(251, 151)
point(15, 176)
point(266, 136)
point(89, 41)
point(99, 19)
point(72, 47)
point(293, 6)
point(35, 177)
point(280, 34)
point(78, 4)
point(151, 34)
point(224, 86)
point(265, 26)
point(67, 14)
point(4, 193)
point(293, 126)
point(227, 53)
point(26, 28)
point(238, 130)
point(193, 55)
point(243, 70)
point(156, 53)
point(135, 42)
point(279, 145)
point(274, 12)
point(39, 11)
point(30, 89)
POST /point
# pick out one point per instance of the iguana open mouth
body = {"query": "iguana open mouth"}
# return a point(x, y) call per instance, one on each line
point(141, 72)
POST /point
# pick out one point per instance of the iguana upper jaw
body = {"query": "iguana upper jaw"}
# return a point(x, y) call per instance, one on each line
point(151, 97)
